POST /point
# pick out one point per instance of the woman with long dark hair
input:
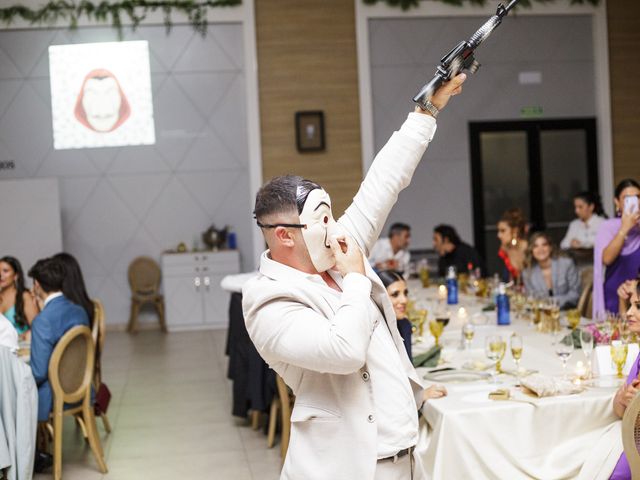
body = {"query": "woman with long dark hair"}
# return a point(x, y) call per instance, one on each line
point(73, 286)
point(399, 295)
point(582, 231)
point(616, 253)
point(16, 302)
point(512, 234)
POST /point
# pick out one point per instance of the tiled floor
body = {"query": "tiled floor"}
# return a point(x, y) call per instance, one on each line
point(170, 414)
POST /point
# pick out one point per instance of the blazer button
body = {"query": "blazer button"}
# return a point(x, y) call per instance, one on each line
point(370, 419)
point(365, 376)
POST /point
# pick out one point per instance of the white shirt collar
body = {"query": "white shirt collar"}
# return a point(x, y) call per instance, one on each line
point(51, 297)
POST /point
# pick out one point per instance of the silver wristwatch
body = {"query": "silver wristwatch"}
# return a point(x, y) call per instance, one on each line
point(431, 108)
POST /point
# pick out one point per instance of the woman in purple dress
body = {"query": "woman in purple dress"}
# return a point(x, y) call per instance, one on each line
point(616, 253)
point(628, 391)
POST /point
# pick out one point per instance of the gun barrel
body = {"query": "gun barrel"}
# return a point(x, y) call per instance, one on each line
point(512, 4)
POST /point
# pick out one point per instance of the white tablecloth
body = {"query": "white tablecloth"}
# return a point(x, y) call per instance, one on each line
point(468, 436)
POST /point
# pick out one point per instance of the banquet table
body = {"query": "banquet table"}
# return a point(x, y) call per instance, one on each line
point(467, 435)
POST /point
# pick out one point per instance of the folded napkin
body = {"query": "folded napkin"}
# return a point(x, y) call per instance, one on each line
point(429, 358)
point(575, 334)
point(545, 386)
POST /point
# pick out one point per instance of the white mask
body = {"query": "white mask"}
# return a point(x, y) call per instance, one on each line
point(321, 226)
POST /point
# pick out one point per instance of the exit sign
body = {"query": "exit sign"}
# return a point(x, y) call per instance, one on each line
point(532, 111)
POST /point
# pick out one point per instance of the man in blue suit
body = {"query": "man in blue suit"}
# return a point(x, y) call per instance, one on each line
point(58, 315)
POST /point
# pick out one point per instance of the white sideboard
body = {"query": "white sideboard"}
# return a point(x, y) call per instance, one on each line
point(192, 294)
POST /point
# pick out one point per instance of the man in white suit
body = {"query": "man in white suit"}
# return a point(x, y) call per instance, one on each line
point(321, 318)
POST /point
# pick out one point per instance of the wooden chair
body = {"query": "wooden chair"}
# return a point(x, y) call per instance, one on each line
point(144, 280)
point(70, 373)
point(98, 333)
point(585, 303)
point(631, 436)
point(282, 404)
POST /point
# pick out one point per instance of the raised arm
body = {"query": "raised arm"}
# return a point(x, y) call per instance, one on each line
point(392, 170)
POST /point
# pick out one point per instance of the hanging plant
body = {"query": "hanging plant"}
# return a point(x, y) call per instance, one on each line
point(407, 4)
point(135, 10)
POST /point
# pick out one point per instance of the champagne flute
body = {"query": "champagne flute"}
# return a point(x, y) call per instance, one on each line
point(516, 351)
point(619, 352)
point(564, 349)
point(586, 342)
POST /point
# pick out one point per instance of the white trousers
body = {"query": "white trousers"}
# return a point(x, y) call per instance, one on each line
point(403, 469)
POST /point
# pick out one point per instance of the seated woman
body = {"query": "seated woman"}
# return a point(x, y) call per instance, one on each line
point(512, 233)
point(73, 286)
point(630, 389)
point(582, 231)
point(16, 302)
point(549, 275)
point(399, 294)
point(616, 253)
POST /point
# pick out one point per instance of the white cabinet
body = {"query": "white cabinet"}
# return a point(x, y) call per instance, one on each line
point(192, 294)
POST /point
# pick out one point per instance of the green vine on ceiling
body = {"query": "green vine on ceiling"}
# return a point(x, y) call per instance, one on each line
point(408, 4)
point(114, 11)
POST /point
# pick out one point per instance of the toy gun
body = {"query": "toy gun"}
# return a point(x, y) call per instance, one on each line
point(461, 57)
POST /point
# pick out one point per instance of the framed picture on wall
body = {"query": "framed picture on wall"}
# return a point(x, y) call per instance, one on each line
point(310, 131)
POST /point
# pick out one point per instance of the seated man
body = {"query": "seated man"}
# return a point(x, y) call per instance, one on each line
point(58, 315)
point(392, 253)
point(454, 252)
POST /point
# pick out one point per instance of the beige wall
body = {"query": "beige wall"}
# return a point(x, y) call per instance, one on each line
point(624, 40)
point(307, 61)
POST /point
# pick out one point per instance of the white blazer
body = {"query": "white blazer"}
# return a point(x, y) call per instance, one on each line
point(318, 341)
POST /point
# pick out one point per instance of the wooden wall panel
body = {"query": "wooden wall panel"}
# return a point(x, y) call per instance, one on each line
point(624, 67)
point(307, 60)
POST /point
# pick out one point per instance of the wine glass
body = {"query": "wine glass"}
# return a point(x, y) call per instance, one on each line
point(619, 352)
point(573, 318)
point(564, 349)
point(436, 327)
point(586, 342)
point(495, 348)
point(516, 351)
point(417, 318)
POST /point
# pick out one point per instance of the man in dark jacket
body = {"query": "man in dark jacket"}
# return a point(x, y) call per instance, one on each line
point(454, 252)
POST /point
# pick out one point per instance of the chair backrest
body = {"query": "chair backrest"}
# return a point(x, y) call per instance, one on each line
point(631, 436)
point(71, 365)
point(98, 332)
point(585, 302)
point(586, 277)
point(144, 276)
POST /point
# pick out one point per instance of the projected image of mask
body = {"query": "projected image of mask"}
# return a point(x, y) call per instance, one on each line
point(101, 105)
point(316, 215)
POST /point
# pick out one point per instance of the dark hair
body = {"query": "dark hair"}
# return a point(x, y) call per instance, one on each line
point(447, 231)
point(390, 276)
point(626, 183)
point(397, 228)
point(287, 193)
point(73, 286)
point(515, 218)
point(20, 318)
point(49, 273)
point(591, 198)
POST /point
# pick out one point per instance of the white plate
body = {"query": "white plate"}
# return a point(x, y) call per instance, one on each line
point(457, 376)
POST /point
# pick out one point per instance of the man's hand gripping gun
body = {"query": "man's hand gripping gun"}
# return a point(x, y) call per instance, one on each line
point(461, 57)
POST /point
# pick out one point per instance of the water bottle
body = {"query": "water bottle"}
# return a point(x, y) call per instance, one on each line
point(502, 305)
point(232, 241)
point(452, 286)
